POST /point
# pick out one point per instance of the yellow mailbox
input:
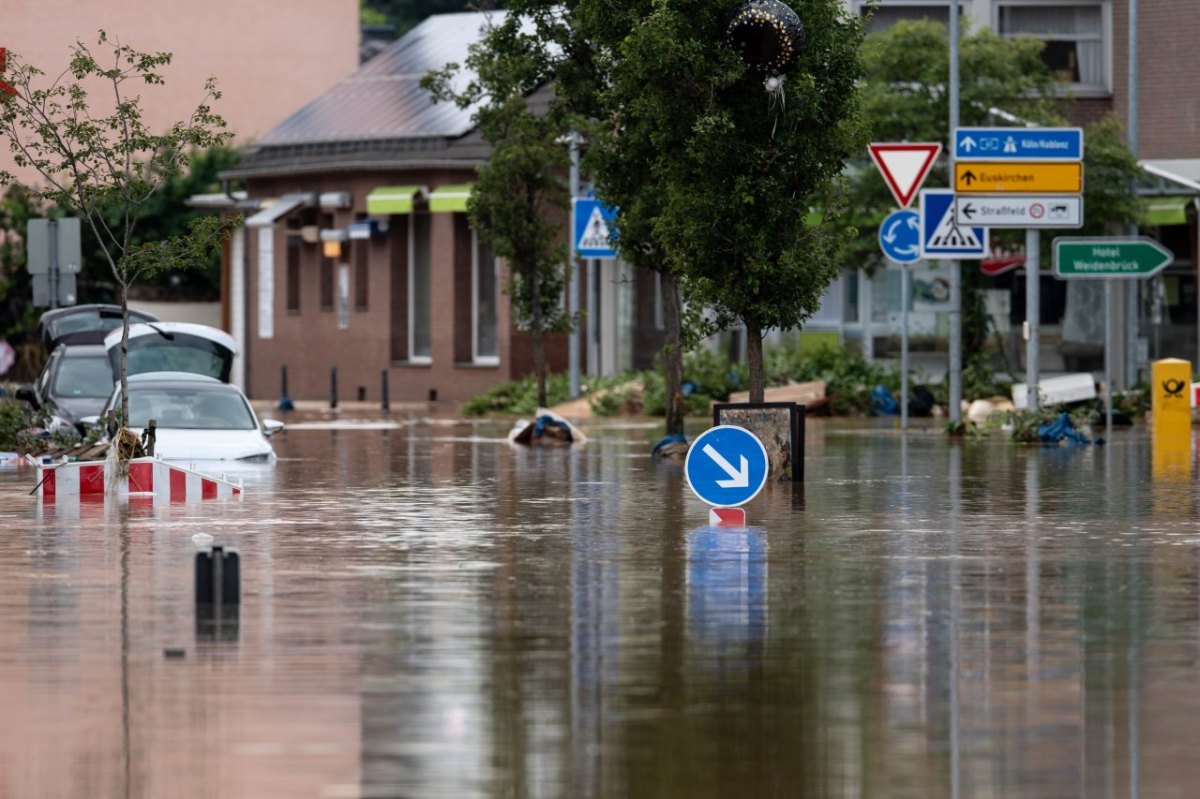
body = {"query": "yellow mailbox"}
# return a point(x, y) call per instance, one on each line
point(1171, 405)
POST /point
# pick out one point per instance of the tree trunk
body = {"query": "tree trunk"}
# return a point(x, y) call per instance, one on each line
point(754, 358)
point(122, 371)
point(673, 353)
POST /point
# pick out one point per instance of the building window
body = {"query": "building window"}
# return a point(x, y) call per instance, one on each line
point(362, 273)
point(326, 283)
point(485, 296)
point(1076, 36)
point(418, 289)
point(883, 15)
point(293, 274)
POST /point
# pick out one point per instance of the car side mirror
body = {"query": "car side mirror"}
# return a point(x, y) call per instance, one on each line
point(271, 426)
point(25, 393)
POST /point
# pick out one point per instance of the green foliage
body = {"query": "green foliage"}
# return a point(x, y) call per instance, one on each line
point(21, 426)
point(849, 377)
point(1025, 423)
point(519, 397)
point(17, 317)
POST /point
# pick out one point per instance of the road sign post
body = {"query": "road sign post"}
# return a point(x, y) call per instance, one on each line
point(1005, 177)
point(726, 466)
point(595, 229)
point(941, 236)
point(1102, 258)
point(904, 166)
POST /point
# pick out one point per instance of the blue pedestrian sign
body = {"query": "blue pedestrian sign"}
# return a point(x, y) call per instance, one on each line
point(941, 235)
point(900, 236)
point(1018, 144)
point(595, 229)
point(726, 466)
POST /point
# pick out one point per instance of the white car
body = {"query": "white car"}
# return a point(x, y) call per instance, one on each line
point(197, 418)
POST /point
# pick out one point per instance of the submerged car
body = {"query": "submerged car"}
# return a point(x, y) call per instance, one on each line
point(197, 418)
point(174, 347)
point(78, 376)
point(54, 325)
point(75, 381)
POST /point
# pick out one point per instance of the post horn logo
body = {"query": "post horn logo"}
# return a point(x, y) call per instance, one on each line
point(1173, 387)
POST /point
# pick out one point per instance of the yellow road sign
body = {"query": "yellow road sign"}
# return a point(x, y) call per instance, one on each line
point(1018, 178)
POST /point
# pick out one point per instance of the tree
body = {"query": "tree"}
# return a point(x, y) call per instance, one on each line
point(734, 168)
point(99, 160)
point(520, 195)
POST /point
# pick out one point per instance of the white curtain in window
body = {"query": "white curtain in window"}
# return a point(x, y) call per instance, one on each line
point(1079, 24)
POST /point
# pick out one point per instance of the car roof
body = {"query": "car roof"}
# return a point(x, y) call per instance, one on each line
point(175, 377)
point(83, 351)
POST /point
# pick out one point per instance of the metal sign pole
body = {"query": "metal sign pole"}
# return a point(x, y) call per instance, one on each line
point(1033, 258)
point(573, 267)
point(904, 347)
point(954, 266)
point(1108, 359)
point(53, 225)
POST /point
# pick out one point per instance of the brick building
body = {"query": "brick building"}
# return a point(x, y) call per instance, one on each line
point(357, 252)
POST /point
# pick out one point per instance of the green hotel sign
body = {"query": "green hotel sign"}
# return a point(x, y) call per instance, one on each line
point(1104, 258)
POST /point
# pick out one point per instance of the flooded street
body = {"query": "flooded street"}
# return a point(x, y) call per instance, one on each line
point(428, 612)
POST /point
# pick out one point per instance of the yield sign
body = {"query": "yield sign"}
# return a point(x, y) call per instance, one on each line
point(904, 166)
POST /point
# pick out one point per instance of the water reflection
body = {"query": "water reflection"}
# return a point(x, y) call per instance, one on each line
point(429, 612)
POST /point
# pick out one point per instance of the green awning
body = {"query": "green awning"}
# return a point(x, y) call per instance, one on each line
point(1166, 211)
point(392, 199)
point(451, 199)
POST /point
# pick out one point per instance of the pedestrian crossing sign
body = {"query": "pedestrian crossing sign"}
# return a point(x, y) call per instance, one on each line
point(595, 229)
point(941, 236)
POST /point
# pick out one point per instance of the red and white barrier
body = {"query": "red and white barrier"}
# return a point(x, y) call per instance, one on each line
point(147, 478)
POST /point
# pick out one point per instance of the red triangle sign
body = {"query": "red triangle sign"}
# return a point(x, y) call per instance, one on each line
point(904, 166)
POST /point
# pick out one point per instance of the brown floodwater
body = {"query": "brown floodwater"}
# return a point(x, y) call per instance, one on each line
point(428, 612)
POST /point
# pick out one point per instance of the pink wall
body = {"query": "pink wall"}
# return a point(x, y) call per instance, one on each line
point(270, 57)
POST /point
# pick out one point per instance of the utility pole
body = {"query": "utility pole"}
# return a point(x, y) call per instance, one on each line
point(954, 266)
point(573, 268)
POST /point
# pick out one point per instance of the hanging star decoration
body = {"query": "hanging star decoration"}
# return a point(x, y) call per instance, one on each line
point(5, 88)
point(767, 34)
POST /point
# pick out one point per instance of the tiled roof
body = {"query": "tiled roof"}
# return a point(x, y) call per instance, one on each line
point(384, 99)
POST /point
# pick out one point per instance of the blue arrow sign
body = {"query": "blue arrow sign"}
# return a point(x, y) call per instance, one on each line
point(941, 235)
point(900, 236)
point(595, 229)
point(1018, 144)
point(726, 466)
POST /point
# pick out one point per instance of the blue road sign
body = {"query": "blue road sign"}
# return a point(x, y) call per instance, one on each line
point(941, 236)
point(726, 466)
point(1018, 144)
point(595, 229)
point(900, 236)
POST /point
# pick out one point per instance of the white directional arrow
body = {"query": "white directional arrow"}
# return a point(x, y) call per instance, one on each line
point(738, 479)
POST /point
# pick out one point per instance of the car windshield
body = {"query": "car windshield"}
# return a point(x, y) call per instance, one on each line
point(89, 376)
point(189, 408)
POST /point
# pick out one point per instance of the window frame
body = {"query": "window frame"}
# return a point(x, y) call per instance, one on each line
point(1105, 87)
